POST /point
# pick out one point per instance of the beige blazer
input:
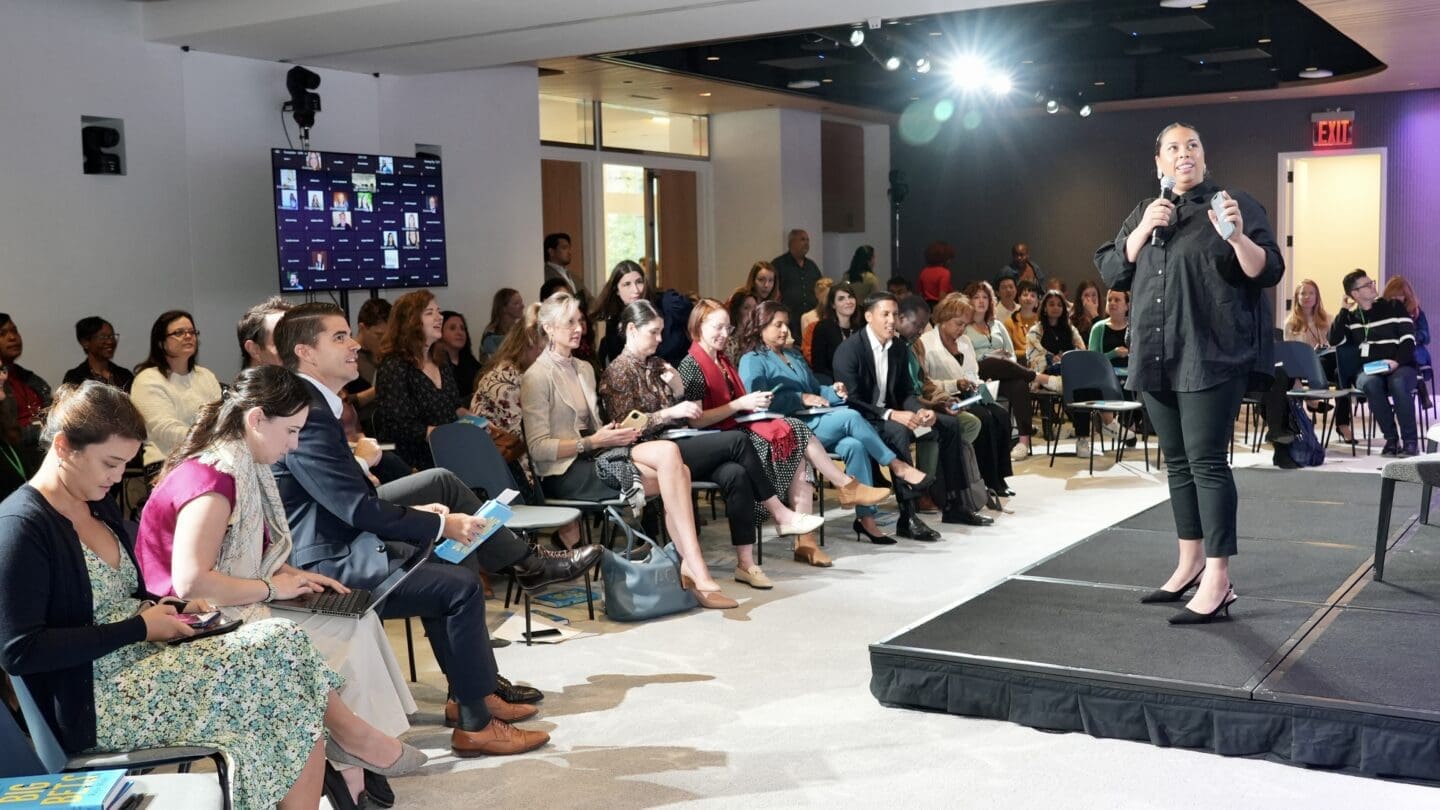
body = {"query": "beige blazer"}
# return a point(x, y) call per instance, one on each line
point(550, 414)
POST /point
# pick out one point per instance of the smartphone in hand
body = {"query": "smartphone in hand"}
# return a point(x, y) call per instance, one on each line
point(1217, 204)
point(199, 621)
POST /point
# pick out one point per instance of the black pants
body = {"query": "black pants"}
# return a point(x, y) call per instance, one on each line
point(449, 599)
point(727, 459)
point(1194, 429)
point(992, 444)
point(1015, 382)
point(952, 473)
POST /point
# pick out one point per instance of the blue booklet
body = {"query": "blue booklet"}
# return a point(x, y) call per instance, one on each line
point(93, 790)
point(562, 598)
point(495, 513)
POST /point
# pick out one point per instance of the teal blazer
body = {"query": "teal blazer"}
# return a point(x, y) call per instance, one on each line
point(762, 370)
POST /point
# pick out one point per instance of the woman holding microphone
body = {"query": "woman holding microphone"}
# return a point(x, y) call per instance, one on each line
point(1196, 263)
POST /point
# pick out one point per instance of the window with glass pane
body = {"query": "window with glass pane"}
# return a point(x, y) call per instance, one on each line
point(654, 131)
point(624, 214)
point(567, 120)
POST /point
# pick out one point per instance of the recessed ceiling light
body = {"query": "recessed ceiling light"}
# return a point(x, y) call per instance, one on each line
point(1182, 3)
point(712, 58)
point(857, 38)
point(1099, 84)
point(1052, 106)
point(1316, 73)
point(827, 81)
point(892, 63)
point(1263, 41)
point(937, 33)
point(705, 95)
point(803, 84)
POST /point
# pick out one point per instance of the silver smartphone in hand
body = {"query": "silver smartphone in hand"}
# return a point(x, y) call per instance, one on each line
point(1217, 204)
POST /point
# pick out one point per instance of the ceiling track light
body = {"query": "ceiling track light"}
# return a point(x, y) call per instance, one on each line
point(1085, 110)
point(857, 37)
point(892, 62)
point(922, 65)
point(1052, 105)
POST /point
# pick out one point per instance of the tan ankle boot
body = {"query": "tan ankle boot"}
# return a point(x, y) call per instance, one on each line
point(808, 552)
point(856, 494)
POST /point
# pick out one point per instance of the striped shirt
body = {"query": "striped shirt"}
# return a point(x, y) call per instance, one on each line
point(1386, 326)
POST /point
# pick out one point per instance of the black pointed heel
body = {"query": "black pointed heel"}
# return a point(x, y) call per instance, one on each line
point(1222, 611)
point(877, 539)
point(1161, 595)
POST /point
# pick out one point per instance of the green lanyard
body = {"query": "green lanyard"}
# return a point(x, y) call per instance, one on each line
point(1363, 322)
point(13, 459)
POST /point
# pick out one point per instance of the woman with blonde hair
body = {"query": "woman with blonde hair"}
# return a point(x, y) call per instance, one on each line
point(1309, 323)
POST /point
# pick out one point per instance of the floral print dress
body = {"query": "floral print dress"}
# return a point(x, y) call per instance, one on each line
point(258, 693)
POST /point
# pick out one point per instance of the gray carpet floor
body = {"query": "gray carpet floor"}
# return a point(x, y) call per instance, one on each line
point(768, 706)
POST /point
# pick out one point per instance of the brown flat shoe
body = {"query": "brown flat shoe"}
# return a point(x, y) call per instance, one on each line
point(857, 494)
point(509, 712)
point(497, 739)
point(810, 554)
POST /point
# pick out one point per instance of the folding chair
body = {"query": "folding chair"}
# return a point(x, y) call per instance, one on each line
point(1302, 363)
point(1082, 370)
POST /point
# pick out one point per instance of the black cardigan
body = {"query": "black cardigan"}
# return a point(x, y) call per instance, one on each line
point(47, 612)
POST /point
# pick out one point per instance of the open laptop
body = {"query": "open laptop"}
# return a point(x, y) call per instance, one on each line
point(358, 601)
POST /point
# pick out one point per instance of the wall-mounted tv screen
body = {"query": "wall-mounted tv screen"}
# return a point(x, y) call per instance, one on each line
point(347, 221)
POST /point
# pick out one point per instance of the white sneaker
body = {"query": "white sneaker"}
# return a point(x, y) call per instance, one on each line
point(1019, 452)
point(1082, 448)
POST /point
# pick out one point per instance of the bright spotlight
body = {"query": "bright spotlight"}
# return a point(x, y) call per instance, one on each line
point(892, 63)
point(1085, 111)
point(968, 72)
point(922, 65)
point(1000, 83)
point(857, 38)
point(1052, 106)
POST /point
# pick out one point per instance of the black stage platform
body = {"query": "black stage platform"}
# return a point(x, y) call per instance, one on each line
point(1321, 666)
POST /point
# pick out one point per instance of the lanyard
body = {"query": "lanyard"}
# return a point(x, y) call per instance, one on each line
point(1363, 323)
point(13, 459)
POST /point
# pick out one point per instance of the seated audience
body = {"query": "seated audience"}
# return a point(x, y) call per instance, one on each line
point(875, 369)
point(949, 363)
point(935, 278)
point(1051, 335)
point(416, 394)
point(371, 325)
point(1006, 290)
point(625, 286)
point(997, 361)
point(506, 310)
point(750, 479)
point(761, 283)
point(27, 392)
point(1086, 308)
point(98, 340)
point(1398, 289)
point(739, 307)
point(860, 275)
point(1309, 323)
point(579, 457)
point(842, 319)
point(769, 365)
point(453, 349)
point(1385, 333)
point(255, 332)
point(814, 316)
point(344, 527)
point(13, 467)
point(898, 286)
point(89, 640)
point(1111, 336)
point(169, 388)
point(214, 529)
point(1026, 315)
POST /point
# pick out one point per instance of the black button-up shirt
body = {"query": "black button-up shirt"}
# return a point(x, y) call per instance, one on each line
point(797, 283)
point(1196, 319)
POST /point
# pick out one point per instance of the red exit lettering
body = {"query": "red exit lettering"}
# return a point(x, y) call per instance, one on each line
point(1334, 133)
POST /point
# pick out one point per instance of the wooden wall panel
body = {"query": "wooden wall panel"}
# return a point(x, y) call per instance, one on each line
point(562, 208)
point(677, 225)
point(842, 177)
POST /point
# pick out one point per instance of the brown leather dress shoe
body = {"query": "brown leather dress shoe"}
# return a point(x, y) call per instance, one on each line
point(496, 705)
point(496, 740)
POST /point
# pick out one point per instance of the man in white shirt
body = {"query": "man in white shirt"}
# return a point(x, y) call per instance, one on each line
point(557, 265)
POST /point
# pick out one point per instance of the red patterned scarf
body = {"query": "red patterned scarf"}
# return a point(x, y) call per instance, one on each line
point(722, 384)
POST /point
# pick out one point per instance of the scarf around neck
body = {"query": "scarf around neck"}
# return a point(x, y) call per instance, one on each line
point(722, 385)
point(258, 513)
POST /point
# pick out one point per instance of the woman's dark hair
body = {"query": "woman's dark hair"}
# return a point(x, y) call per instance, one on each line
point(439, 352)
point(159, 331)
point(552, 286)
point(278, 393)
point(87, 328)
point(750, 331)
point(1055, 337)
point(406, 334)
point(498, 305)
point(608, 303)
point(638, 313)
point(1077, 311)
point(860, 263)
point(937, 253)
point(1175, 125)
point(736, 304)
point(830, 312)
point(92, 413)
point(4, 319)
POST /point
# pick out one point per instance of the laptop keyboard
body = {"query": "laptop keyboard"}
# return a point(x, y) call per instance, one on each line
point(352, 603)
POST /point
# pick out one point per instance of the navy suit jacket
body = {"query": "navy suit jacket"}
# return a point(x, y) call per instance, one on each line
point(334, 512)
point(855, 366)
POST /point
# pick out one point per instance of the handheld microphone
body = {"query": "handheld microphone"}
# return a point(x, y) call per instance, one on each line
point(1167, 184)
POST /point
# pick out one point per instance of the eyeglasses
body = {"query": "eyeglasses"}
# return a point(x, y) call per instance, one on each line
point(1370, 284)
point(183, 333)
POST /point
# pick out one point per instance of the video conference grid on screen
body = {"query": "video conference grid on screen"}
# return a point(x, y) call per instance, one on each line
point(347, 221)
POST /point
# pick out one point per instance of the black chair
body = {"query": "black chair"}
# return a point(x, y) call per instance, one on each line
point(1300, 362)
point(53, 758)
point(1084, 370)
point(1422, 470)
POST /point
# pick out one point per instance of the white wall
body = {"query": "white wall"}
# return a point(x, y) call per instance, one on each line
point(191, 225)
point(800, 182)
point(745, 155)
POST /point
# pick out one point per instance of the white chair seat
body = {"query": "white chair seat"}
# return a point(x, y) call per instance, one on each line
point(533, 518)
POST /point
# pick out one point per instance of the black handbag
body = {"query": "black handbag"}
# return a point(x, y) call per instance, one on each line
point(645, 588)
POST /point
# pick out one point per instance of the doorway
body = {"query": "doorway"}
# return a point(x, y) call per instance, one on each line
point(654, 213)
point(1331, 220)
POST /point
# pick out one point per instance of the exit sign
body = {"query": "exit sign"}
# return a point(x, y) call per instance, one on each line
point(1331, 129)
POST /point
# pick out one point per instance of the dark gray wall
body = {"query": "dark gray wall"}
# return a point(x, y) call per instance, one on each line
point(1064, 184)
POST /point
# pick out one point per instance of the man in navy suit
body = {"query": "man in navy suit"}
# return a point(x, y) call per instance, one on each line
point(875, 368)
point(346, 528)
